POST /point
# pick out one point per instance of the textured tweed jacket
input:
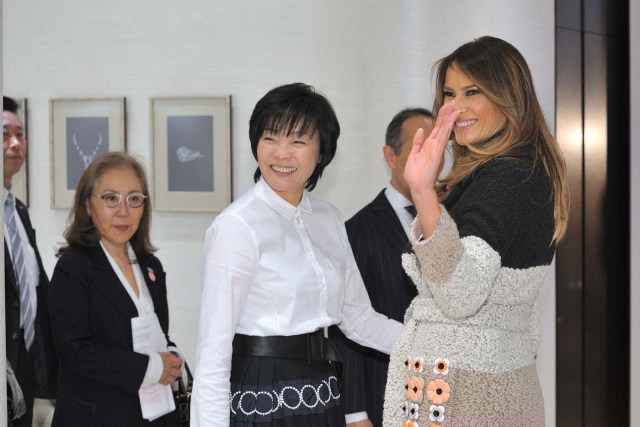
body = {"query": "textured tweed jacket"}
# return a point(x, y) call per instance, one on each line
point(466, 356)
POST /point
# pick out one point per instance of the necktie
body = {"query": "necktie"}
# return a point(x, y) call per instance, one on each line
point(28, 316)
point(412, 210)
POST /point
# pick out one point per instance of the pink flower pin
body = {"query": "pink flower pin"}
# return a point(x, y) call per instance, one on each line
point(152, 275)
point(438, 391)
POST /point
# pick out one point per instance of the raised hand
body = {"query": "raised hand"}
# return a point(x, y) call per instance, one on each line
point(424, 165)
point(425, 160)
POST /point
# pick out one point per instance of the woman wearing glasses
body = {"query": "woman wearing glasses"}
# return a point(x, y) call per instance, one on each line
point(105, 277)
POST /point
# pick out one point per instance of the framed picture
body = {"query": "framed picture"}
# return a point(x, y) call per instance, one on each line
point(20, 181)
point(81, 130)
point(191, 153)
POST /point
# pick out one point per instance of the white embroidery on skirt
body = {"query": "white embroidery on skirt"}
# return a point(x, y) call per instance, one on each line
point(278, 401)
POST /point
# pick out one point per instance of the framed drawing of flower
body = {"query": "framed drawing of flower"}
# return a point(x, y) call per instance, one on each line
point(191, 153)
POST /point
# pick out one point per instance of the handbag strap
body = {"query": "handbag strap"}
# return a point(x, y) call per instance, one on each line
point(189, 376)
point(181, 387)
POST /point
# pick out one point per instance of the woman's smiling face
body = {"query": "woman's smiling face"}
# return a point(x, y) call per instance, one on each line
point(287, 161)
point(480, 118)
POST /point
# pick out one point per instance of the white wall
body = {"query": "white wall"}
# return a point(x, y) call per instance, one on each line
point(371, 58)
point(634, 37)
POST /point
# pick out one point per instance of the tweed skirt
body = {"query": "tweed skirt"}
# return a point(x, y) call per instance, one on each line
point(431, 391)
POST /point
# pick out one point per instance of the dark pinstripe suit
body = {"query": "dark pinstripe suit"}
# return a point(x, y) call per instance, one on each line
point(37, 369)
point(378, 240)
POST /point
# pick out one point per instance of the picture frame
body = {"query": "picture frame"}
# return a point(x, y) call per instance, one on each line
point(20, 181)
point(81, 130)
point(191, 153)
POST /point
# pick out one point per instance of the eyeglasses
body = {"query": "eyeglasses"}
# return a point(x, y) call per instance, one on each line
point(113, 200)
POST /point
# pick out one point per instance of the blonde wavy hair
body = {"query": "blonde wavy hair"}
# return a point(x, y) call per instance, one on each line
point(500, 72)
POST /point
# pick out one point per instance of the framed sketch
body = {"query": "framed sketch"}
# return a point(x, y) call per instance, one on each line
point(81, 130)
point(20, 181)
point(191, 153)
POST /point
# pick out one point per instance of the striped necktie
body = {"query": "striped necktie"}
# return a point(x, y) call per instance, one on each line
point(28, 316)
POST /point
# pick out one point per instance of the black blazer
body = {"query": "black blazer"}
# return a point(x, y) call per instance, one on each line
point(91, 313)
point(42, 350)
point(378, 240)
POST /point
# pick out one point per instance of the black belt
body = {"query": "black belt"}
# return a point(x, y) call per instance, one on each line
point(311, 347)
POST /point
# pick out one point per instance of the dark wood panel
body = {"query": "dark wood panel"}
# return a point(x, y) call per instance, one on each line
point(606, 17)
point(593, 264)
point(595, 289)
point(569, 256)
point(618, 213)
point(569, 14)
point(595, 16)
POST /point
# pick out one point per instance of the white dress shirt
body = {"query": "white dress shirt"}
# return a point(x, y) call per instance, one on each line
point(275, 269)
point(398, 203)
point(28, 255)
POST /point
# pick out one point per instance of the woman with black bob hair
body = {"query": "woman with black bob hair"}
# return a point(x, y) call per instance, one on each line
point(278, 270)
point(313, 112)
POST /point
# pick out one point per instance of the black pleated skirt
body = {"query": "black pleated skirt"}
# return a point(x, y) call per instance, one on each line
point(269, 391)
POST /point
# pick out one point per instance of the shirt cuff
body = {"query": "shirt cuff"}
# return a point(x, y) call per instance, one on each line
point(355, 417)
point(173, 349)
point(154, 370)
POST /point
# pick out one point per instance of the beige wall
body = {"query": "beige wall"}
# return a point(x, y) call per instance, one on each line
point(371, 58)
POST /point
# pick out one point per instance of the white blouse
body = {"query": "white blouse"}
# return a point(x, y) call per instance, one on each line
point(275, 269)
point(144, 305)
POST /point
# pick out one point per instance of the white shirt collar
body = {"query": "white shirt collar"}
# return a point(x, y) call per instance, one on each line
point(398, 203)
point(280, 205)
point(397, 200)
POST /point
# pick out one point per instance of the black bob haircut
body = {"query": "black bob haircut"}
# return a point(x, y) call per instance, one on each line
point(292, 108)
point(9, 104)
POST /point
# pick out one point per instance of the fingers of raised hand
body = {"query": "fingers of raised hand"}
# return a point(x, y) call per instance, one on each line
point(444, 123)
point(418, 138)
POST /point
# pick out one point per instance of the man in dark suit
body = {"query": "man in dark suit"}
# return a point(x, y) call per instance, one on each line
point(378, 235)
point(29, 344)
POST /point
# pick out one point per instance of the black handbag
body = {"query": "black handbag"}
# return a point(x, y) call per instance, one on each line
point(182, 397)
